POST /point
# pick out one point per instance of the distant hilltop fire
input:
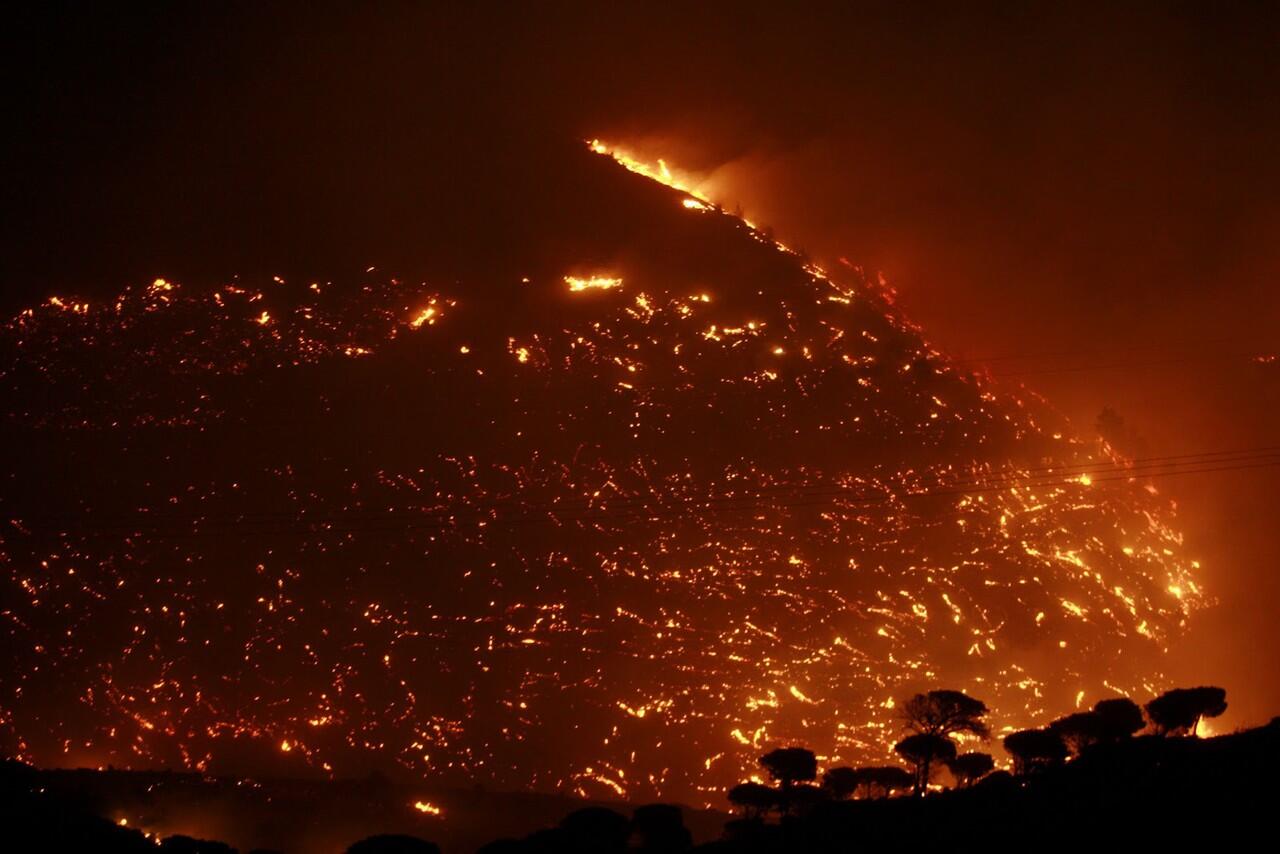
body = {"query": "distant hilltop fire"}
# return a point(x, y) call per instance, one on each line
point(613, 522)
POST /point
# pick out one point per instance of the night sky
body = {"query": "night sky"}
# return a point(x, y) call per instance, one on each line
point(1083, 199)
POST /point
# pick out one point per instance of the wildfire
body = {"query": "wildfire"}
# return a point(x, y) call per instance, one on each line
point(428, 808)
point(600, 283)
point(721, 515)
point(427, 316)
point(659, 172)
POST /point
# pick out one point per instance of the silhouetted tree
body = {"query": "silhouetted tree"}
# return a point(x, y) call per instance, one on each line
point(923, 750)
point(945, 713)
point(790, 765)
point(1179, 711)
point(841, 782)
point(660, 827)
point(393, 843)
point(1034, 750)
point(754, 799)
point(1118, 718)
point(884, 780)
point(1078, 731)
point(998, 781)
point(803, 797)
point(968, 768)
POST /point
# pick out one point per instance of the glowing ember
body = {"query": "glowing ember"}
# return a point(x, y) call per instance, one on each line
point(592, 283)
point(426, 316)
point(428, 808)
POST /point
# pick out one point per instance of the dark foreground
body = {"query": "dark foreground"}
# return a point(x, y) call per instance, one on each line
point(1148, 794)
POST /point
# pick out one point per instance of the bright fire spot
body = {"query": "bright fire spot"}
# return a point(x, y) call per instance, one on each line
point(660, 173)
point(592, 283)
point(796, 692)
point(695, 205)
point(285, 746)
point(263, 319)
point(427, 316)
point(1086, 480)
point(428, 808)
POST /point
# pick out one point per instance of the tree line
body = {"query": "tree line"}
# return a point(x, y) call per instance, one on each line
point(932, 721)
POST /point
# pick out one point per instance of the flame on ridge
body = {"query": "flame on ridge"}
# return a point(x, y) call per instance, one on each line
point(659, 172)
point(592, 283)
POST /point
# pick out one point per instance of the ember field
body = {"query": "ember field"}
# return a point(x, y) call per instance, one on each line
point(607, 511)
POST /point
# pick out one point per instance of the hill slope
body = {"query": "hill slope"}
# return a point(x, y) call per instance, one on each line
point(614, 494)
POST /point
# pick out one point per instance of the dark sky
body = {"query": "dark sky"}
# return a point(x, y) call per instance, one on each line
point(1083, 197)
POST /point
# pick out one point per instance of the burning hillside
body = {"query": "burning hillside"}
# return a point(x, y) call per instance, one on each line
point(610, 515)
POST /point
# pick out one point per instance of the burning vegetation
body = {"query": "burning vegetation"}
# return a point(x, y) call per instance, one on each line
point(614, 523)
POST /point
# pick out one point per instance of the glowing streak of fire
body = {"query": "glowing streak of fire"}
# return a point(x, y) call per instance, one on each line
point(592, 283)
point(426, 316)
point(428, 808)
point(661, 173)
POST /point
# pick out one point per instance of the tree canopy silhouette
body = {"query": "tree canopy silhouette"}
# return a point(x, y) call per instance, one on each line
point(923, 750)
point(884, 780)
point(1078, 731)
point(1178, 712)
point(1035, 750)
point(841, 782)
point(967, 768)
point(790, 765)
point(803, 797)
point(754, 799)
point(1118, 718)
point(945, 713)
